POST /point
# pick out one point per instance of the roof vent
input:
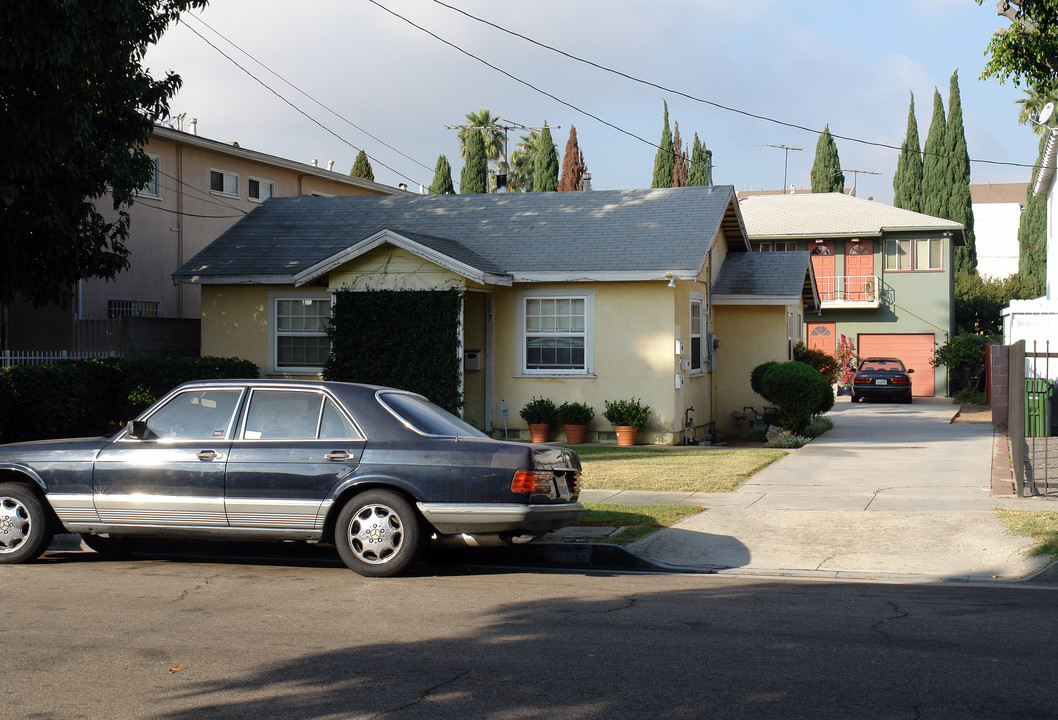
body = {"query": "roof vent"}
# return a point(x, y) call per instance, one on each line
point(330, 164)
point(315, 162)
point(192, 125)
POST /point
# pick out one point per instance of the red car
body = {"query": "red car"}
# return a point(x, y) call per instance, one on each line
point(885, 378)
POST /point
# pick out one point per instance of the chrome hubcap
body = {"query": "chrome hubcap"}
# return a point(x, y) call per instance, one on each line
point(375, 534)
point(15, 524)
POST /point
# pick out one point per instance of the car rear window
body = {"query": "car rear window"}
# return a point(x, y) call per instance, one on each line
point(426, 418)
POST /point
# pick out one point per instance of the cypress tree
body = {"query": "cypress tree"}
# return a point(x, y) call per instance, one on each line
point(572, 164)
point(826, 170)
point(700, 173)
point(960, 206)
point(664, 159)
point(362, 167)
point(907, 182)
point(680, 169)
point(545, 171)
point(935, 185)
point(474, 178)
point(442, 178)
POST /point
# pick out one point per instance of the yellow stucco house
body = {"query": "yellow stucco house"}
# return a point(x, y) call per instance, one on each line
point(576, 296)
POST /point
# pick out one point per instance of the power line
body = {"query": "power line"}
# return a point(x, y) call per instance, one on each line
point(674, 91)
point(310, 97)
point(292, 105)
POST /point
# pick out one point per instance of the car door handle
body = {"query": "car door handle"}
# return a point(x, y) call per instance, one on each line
point(337, 455)
point(207, 455)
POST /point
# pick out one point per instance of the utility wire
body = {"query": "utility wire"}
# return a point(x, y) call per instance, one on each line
point(310, 97)
point(680, 93)
point(292, 105)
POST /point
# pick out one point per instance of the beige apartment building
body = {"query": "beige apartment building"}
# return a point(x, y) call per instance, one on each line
point(200, 188)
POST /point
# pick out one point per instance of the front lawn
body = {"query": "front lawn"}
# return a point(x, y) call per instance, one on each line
point(1040, 525)
point(690, 469)
point(637, 520)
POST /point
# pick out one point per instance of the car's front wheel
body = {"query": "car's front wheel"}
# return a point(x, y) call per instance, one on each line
point(24, 530)
point(378, 533)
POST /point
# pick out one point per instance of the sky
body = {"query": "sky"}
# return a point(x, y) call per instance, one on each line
point(358, 77)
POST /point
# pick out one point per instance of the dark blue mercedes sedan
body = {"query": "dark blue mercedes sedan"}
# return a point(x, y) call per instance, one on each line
point(376, 471)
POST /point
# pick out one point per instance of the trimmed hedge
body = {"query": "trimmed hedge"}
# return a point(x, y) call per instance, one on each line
point(79, 398)
point(797, 390)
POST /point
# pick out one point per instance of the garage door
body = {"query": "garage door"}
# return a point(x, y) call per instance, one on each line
point(915, 350)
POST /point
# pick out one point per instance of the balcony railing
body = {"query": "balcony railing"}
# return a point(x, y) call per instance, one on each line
point(849, 291)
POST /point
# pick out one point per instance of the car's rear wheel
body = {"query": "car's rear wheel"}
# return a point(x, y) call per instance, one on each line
point(24, 530)
point(378, 534)
point(113, 545)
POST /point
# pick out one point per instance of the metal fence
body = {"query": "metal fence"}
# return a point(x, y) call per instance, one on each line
point(12, 358)
point(1033, 450)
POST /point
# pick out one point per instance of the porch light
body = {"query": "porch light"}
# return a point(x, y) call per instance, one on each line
point(672, 282)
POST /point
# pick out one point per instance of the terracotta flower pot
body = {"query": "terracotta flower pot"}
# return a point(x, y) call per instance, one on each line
point(626, 435)
point(575, 434)
point(539, 432)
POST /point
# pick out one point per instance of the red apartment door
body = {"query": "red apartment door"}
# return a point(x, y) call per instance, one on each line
point(821, 337)
point(823, 267)
point(859, 270)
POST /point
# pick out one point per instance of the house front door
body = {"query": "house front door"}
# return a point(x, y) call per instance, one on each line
point(823, 267)
point(859, 270)
point(821, 337)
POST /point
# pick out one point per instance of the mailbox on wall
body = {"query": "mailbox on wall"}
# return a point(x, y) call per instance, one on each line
point(471, 359)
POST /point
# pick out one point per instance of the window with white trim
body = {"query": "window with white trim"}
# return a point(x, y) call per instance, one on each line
point(697, 334)
point(259, 190)
point(922, 254)
point(556, 332)
point(224, 183)
point(299, 335)
point(153, 187)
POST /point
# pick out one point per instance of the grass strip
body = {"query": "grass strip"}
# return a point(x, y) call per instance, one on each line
point(638, 521)
point(608, 467)
point(1040, 525)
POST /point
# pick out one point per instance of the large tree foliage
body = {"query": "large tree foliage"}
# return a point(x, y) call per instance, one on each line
point(523, 163)
point(487, 125)
point(1032, 237)
point(664, 158)
point(701, 173)
point(907, 182)
point(960, 207)
point(475, 175)
point(979, 302)
point(572, 164)
point(1031, 106)
point(826, 170)
point(935, 185)
point(545, 170)
point(442, 178)
point(680, 163)
point(1027, 51)
point(362, 167)
point(77, 109)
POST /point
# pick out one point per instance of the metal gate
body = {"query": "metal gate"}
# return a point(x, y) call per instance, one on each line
point(1033, 448)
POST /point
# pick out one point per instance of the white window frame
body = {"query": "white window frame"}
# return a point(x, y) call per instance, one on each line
point(146, 191)
point(224, 175)
point(930, 242)
point(703, 352)
point(273, 329)
point(588, 296)
point(260, 183)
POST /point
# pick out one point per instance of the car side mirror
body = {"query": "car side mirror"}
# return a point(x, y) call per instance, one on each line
point(138, 429)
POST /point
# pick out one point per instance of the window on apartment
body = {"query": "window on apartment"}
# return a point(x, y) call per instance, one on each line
point(153, 187)
point(697, 331)
point(132, 308)
point(259, 190)
point(919, 254)
point(300, 332)
point(556, 333)
point(225, 183)
point(779, 246)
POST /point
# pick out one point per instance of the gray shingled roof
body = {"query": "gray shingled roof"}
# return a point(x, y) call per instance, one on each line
point(610, 231)
point(774, 274)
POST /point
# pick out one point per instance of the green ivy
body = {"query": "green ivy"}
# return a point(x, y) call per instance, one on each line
point(406, 339)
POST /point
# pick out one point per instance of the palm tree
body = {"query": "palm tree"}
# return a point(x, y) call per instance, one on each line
point(1031, 105)
point(523, 163)
point(484, 122)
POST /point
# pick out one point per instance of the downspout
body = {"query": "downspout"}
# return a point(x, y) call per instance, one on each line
point(180, 226)
point(706, 337)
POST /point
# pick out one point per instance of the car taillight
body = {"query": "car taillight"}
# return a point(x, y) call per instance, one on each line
point(901, 381)
point(532, 481)
point(861, 381)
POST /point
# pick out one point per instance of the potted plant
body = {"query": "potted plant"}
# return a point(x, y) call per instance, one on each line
point(539, 413)
point(575, 416)
point(627, 416)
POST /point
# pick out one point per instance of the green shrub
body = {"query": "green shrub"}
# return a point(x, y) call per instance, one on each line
point(575, 413)
point(825, 363)
point(964, 356)
point(818, 426)
point(630, 413)
point(539, 411)
point(797, 390)
point(789, 442)
point(757, 376)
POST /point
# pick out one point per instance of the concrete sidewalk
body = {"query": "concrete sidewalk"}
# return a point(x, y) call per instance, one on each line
point(892, 490)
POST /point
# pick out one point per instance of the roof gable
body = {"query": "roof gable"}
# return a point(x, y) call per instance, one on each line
point(769, 277)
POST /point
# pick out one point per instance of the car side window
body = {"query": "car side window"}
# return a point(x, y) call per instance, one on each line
point(283, 415)
point(335, 426)
point(195, 415)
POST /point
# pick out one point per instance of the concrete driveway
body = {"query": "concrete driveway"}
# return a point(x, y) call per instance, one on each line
point(891, 490)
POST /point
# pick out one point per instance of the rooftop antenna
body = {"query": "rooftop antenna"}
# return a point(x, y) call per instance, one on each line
point(855, 176)
point(501, 177)
point(786, 162)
